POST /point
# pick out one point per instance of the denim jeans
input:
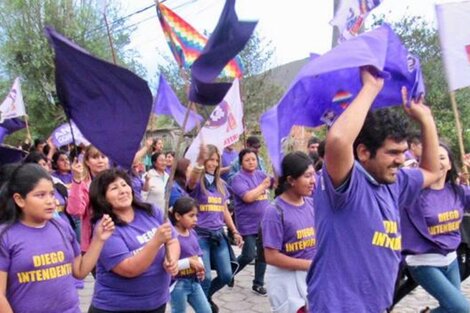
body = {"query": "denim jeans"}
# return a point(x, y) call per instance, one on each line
point(443, 283)
point(249, 252)
point(217, 252)
point(189, 290)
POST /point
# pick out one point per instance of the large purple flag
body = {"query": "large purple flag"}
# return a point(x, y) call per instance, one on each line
point(9, 154)
point(109, 104)
point(167, 103)
point(327, 84)
point(10, 126)
point(228, 39)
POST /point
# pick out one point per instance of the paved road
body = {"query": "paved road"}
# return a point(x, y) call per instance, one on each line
point(241, 299)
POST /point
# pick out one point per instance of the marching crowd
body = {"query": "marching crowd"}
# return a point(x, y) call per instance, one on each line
point(345, 218)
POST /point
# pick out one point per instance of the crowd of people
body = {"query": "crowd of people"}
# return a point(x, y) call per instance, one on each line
point(328, 234)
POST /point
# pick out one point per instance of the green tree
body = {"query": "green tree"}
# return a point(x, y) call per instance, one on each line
point(24, 50)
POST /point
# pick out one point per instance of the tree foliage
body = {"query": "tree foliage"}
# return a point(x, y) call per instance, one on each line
point(24, 50)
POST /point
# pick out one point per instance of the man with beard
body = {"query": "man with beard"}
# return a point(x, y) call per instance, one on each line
point(357, 202)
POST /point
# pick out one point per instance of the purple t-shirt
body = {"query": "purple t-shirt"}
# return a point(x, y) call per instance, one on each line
point(147, 291)
point(38, 262)
point(248, 215)
point(65, 178)
point(359, 241)
point(211, 207)
point(189, 248)
point(431, 224)
point(290, 229)
point(227, 159)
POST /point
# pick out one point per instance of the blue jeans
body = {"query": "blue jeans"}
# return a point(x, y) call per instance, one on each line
point(217, 252)
point(189, 290)
point(443, 283)
point(249, 252)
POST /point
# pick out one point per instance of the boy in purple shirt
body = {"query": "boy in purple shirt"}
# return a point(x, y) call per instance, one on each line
point(357, 201)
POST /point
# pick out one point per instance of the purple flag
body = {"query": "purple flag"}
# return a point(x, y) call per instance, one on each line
point(167, 103)
point(10, 154)
point(62, 135)
point(109, 104)
point(10, 126)
point(228, 39)
point(326, 85)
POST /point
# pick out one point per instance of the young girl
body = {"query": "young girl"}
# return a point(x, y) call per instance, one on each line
point(289, 235)
point(39, 255)
point(191, 268)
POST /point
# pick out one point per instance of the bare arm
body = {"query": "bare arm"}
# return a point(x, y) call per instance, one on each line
point(197, 170)
point(339, 154)
point(231, 225)
point(253, 194)
point(4, 304)
point(420, 113)
point(137, 264)
point(276, 258)
point(83, 265)
point(143, 151)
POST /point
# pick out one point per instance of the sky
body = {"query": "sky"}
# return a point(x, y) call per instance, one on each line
point(295, 28)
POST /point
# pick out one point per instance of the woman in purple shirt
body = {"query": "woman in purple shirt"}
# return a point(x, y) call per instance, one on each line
point(210, 192)
point(430, 230)
point(132, 274)
point(289, 235)
point(250, 188)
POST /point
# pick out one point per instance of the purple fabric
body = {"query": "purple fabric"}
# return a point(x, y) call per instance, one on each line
point(10, 126)
point(167, 103)
point(189, 248)
point(432, 223)
point(227, 159)
point(147, 291)
point(64, 178)
point(102, 99)
point(211, 207)
point(39, 266)
point(62, 135)
point(249, 215)
point(327, 84)
point(292, 232)
point(226, 41)
point(359, 241)
point(10, 155)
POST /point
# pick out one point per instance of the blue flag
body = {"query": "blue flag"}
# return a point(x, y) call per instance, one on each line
point(167, 103)
point(10, 126)
point(327, 84)
point(9, 154)
point(109, 104)
point(228, 39)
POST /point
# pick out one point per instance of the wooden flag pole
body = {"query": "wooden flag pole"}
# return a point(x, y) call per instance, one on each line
point(110, 39)
point(458, 129)
point(28, 131)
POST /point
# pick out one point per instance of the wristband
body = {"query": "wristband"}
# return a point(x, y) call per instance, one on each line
point(183, 264)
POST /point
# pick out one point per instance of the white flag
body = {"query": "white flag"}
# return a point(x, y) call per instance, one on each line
point(224, 126)
point(454, 34)
point(13, 105)
point(350, 16)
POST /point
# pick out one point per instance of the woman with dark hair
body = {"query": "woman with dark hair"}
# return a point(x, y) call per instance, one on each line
point(289, 235)
point(132, 274)
point(210, 192)
point(250, 189)
point(155, 181)
point(94, 162)
point(38, 158)
point(61, 167)
point(170, 158)
point(430, 231)
point(39, 254)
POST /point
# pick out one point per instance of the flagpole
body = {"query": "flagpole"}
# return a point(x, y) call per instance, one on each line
point(28, 131)
point(109, 36)
point(459, 130)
